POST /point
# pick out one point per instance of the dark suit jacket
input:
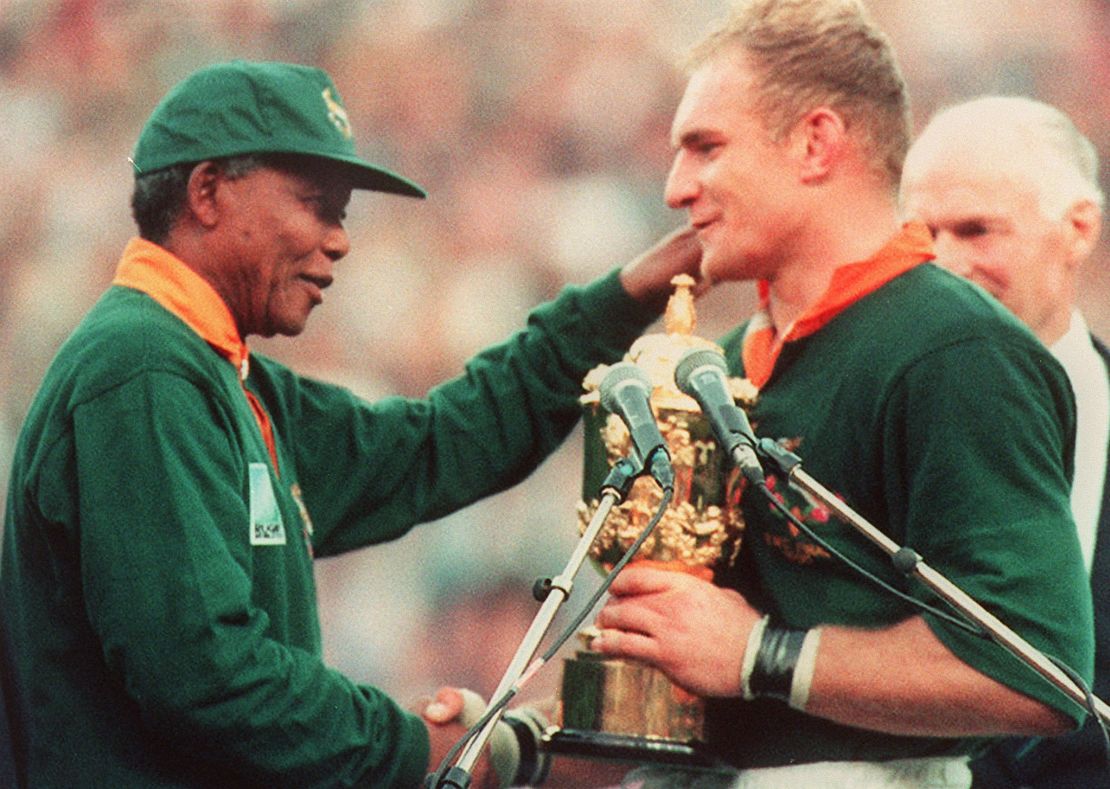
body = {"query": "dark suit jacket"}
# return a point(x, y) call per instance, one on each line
point(7, 751)
point(1078, 760)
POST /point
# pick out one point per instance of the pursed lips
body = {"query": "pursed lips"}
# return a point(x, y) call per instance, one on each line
point(699, 219)
point(317, 283)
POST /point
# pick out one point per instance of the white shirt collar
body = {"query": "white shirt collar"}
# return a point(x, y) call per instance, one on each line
point(1075, 347)
point(1088, 375)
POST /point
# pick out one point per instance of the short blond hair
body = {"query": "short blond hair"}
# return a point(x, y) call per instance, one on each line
point(811, 53)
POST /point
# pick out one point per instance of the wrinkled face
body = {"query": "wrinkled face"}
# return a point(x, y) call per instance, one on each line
point(283, 235)
point(730, 176)
point(988, 226)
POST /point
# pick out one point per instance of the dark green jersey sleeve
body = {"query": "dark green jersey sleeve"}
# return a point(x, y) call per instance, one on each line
point(947, 425)
point(369, 472)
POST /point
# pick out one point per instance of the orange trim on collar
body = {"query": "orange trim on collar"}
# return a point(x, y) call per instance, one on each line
point(160, 274)
point(762, 345)
point(153, 270)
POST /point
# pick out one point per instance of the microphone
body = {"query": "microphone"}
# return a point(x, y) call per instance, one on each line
point(700, 373)
point(626, 391)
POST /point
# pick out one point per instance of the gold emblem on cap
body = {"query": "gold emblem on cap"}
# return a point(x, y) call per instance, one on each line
point(337, 114)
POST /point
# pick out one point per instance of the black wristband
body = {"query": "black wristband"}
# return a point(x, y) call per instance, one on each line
point(773, 671)
point(534, 764)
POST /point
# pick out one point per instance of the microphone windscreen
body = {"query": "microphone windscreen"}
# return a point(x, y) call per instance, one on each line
point(619, 376)
point(693, 360)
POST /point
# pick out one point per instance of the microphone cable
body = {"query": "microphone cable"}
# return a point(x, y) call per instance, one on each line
point(499, 704)
point(956, 619)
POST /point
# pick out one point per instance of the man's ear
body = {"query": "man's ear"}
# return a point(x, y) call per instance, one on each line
point(201, 192)
point(1084, 223)
point(821, 136)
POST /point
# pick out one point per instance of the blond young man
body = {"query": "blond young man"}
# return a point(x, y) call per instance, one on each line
point(921, 402)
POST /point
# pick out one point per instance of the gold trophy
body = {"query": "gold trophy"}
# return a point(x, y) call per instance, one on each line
point(618, 708)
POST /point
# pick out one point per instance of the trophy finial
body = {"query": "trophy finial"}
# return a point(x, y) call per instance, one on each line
point(680, 317)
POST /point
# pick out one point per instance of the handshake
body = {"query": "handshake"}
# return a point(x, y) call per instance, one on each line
point(513, 756)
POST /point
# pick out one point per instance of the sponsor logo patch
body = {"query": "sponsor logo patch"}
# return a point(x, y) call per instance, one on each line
point(266, 525)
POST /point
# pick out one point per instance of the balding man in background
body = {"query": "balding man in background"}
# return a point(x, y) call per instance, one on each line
point(1008, 186)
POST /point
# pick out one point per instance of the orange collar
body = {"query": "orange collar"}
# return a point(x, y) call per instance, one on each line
point(850, 283)
point(149, 268)
point(164, 277)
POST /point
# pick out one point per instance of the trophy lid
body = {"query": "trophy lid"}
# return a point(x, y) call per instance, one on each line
point(657, 354)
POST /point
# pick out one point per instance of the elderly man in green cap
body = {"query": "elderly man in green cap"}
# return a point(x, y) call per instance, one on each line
point(170, 489)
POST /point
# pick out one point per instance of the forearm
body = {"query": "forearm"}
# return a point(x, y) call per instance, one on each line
point(899, 679)
point(903, 680)
point(471, 436)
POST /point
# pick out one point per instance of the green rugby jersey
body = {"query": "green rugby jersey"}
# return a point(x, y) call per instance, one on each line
point(941, 419)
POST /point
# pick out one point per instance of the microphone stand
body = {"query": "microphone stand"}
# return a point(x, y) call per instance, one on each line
point(907, 561)
point(613, 491)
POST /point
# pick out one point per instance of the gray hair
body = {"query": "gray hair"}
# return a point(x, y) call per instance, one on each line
point(1038, 141)
point(159, 196)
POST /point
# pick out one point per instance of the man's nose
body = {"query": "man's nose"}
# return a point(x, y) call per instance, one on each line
point(337, 243)
point(682, 185)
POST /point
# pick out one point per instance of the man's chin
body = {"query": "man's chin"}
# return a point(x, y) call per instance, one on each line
point(717, 268)
point(290, 329)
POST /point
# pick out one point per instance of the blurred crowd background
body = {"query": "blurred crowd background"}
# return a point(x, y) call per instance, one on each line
point(540, 129)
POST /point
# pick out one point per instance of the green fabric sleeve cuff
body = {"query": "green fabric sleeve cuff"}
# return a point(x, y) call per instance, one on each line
point(605, 300)
point(413, 752)
point(612, 300)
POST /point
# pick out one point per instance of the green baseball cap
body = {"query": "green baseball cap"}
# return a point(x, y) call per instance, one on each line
point(242, 107)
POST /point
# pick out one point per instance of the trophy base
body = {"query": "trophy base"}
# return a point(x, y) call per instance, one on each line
point(627, 748)
point(624, 710)
point(619, 696)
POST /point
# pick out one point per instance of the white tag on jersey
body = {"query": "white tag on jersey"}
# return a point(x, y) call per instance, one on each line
point(267, 527)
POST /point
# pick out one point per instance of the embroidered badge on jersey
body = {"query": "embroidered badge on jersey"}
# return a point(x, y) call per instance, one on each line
point(793, 544)
point(267, 527)
point(295, 491)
